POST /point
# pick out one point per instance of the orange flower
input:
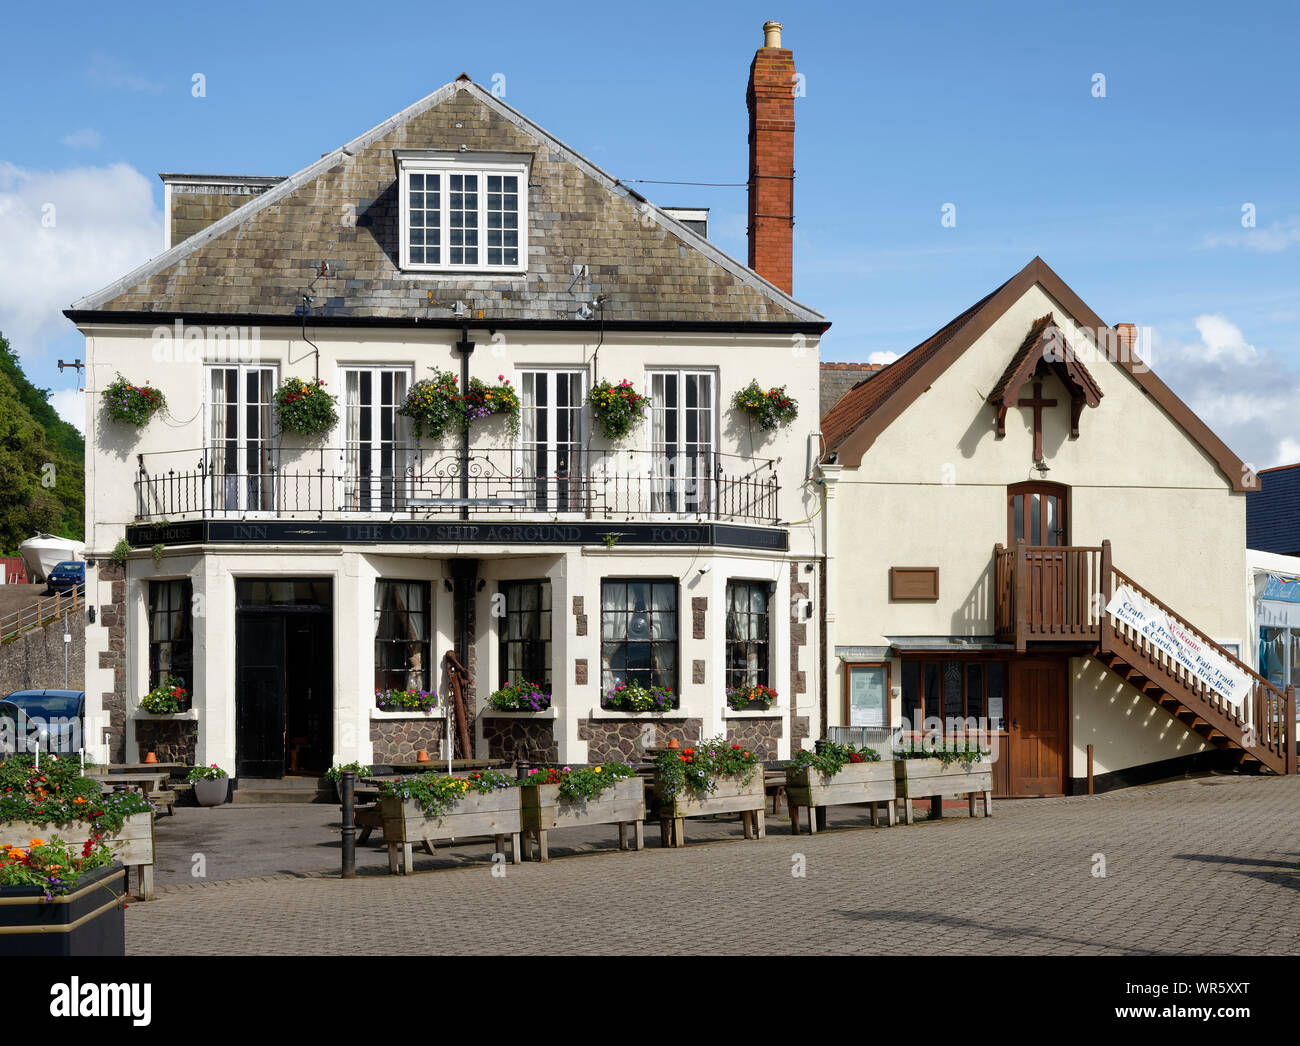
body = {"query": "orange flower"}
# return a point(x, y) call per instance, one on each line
point(38, 842)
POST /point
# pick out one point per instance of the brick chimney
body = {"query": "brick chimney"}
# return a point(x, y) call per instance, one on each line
point(771, 160)
point(1126, 336)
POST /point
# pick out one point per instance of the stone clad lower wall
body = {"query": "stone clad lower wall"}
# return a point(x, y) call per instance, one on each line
point(621, 740)
point(172, 741)
point(759, 736)
point(398, 740)
point(528, 739)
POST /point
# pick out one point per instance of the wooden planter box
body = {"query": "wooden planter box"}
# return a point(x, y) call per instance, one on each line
point(132, 844)
point(855, 783)
point(542, 809)
point(730, 797)
point(486, 813)
point(87, 921)
point(919, 778)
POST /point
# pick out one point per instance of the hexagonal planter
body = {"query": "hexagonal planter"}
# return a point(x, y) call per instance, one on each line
point(543, 809)
point(730, 796)
point(922, 778)
point(88, 920)
point(493, 813)
point(855, 783)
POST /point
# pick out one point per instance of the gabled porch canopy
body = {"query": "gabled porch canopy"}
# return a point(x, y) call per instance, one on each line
point(1045, 349)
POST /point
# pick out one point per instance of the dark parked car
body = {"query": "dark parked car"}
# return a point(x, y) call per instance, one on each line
point(51, 720)
point(68, 575)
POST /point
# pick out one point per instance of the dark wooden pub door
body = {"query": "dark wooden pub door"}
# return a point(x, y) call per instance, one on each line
point(1035, 738)
point(284, 694)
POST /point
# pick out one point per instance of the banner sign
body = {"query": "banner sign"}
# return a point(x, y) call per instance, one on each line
point(1206, 664)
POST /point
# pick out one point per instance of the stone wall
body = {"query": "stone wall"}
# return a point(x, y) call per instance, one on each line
point(398, 740)
point(112, 616)
point(530, 739)
point(620, 740)
point(171, 740)
point(759, 736)
point(34, 661)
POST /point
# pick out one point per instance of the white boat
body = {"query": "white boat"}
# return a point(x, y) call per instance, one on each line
point(44, 552)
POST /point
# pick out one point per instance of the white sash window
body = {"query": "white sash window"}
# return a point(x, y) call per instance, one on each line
point(241, 448)
point(682, 441)
point(551, 428)
point(377, 454)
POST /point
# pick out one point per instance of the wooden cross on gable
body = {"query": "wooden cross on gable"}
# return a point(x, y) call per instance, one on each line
point(1043, 352)
point(1038, 403)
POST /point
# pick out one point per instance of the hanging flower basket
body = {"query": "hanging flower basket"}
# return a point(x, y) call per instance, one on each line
point(482, 400)
point(618, 409)
point(433, 405)
point(133, 403)
point(305, 408)
point(771, 408)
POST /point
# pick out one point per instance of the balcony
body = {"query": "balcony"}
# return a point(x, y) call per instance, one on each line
point(1054, 594)
point(407, 483)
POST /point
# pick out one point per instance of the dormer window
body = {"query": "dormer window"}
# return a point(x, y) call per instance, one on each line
point(463, 212)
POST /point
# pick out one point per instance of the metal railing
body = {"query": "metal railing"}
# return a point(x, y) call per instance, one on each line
point(565, 482)
point(40, 613)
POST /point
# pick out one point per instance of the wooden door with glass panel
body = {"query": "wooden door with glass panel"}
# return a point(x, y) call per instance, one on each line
point(1036, 514)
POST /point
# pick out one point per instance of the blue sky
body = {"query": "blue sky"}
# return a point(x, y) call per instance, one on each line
point(1135, 198)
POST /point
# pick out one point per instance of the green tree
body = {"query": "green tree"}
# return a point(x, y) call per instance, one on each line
point(41, 462)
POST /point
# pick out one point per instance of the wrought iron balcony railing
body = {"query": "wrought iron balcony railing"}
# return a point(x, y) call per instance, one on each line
point(408, 482)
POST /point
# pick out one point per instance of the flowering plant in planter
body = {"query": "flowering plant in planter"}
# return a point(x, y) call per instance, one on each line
point(54, 867)
point(482, 400)
point(520, 696)
point(633, 697)
point(206, 773)
point(771, 408)
point(697, 768)
point(945, 753)
point(335, 773)
point(167, 698)
point(740, 698)
point(830, 758)
point(133, 403)
point(57, 793)
point(583, 784)
point(433, 405)
point(618, 408)
point(436, 794)
point(405, 700)
point(305, 407)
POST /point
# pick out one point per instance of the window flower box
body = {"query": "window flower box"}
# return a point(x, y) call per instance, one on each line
point(918, 778)
point(406, 823)
point(87, 920)
point(855, 783)
point(544, 809)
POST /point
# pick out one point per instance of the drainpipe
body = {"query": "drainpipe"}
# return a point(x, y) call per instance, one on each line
point(466, 349)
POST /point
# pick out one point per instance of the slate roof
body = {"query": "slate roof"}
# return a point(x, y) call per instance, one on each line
point(838, 378)
point(1273, 512)
point(344, 208)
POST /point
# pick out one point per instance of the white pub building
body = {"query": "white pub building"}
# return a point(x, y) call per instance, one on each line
point(286, 578)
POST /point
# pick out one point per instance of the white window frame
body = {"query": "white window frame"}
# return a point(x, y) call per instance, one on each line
point(554, 493)
point(673, 492)
point(381, 498)
point(237, 498)
point(483, 165)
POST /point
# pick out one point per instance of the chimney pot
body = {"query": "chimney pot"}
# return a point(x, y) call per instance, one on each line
point(771, 34)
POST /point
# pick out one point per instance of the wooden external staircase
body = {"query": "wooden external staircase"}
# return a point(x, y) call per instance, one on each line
point(1058, 595)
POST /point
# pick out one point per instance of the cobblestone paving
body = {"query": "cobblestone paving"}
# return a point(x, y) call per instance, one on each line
point(1020, 883)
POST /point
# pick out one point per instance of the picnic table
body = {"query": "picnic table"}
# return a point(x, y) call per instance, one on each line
point(153, 783)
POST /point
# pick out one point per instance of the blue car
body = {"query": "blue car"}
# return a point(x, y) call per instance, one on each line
point(67, 576)
point(51, 720)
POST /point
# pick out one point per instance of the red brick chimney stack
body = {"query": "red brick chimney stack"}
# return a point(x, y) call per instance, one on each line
point(771, 160)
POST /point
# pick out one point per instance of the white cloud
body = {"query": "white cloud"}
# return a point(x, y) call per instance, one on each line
point(883, 357)
point(86, 138)
point(70, 405)
point(1277, 236)
point(1247, 395)
point(64, 234)
point(107, 71)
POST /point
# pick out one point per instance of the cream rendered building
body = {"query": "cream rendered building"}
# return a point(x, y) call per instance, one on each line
point(288, 579)
point(968, 568)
